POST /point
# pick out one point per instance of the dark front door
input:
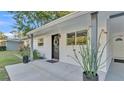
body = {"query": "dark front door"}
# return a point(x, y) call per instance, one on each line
point(55, 46)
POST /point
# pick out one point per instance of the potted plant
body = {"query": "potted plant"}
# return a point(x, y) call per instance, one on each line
point(90, 59)
point(25, 52)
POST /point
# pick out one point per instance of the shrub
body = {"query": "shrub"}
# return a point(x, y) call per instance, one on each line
point(25, 51)
point(36, 54)
point(2, 48)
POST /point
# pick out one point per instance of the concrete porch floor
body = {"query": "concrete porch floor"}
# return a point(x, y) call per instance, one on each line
point(41, 70)
point(115, 72)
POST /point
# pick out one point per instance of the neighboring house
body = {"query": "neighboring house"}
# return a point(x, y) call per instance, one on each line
point(2, 39)
point(57, 39)
point(13, 44)
point(2, 42)
point(10, 43)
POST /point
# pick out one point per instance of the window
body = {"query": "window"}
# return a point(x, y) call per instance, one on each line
point(40, 42)
point(71, 38)
point(81, 37)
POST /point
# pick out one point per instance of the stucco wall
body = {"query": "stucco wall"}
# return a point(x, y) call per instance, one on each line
point(73, 25)
point(117, 29)
point(77, 24)
point(45, 50)
point(104, 23)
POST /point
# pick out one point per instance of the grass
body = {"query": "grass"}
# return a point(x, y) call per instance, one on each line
point(7, 58)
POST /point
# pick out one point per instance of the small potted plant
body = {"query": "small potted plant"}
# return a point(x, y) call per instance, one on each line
point(25, 52)
point(89, 59)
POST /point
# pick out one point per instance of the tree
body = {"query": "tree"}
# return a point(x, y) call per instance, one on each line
point(2, 36)
point(29, 20)
point(16, 34)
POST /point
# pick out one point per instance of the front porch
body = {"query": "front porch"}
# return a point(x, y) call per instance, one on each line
point(115, 72)
point(41, 70)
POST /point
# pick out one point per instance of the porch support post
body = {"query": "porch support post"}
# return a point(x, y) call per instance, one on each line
point(31, 48)
point(94, 32)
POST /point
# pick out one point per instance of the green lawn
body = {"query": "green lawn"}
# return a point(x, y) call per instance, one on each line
point(7, 58)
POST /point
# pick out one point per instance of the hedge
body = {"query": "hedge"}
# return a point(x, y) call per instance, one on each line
point(2, 48)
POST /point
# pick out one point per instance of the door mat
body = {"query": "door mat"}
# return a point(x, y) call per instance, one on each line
point(119, 60)
point(52, 61)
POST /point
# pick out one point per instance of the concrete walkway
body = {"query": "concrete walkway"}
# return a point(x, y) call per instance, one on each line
point(43, 71)
point(115, 72)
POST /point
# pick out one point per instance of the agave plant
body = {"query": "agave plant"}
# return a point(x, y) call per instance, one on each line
point(90, 58)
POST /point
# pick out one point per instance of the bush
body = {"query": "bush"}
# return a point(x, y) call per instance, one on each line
point(2, 48)
point(36, 54)
point(24, 51)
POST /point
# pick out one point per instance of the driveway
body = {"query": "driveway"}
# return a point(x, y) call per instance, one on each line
point(41, 70)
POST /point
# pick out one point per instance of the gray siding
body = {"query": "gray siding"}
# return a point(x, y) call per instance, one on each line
point(12, 45)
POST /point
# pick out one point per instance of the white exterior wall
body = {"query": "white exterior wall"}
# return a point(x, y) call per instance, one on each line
point(77, 24)
point(103, 23)
point(117, 31)
point(80, 23)
point(44, 50)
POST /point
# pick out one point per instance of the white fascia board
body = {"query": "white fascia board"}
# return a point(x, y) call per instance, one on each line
point(59, 20)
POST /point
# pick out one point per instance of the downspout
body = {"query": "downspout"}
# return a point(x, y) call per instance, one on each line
point(94, 32)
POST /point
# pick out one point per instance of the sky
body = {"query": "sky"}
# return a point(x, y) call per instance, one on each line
point(6, 23)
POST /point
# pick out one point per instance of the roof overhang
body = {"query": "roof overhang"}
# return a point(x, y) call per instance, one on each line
point(59, 20)
point(13, 40)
